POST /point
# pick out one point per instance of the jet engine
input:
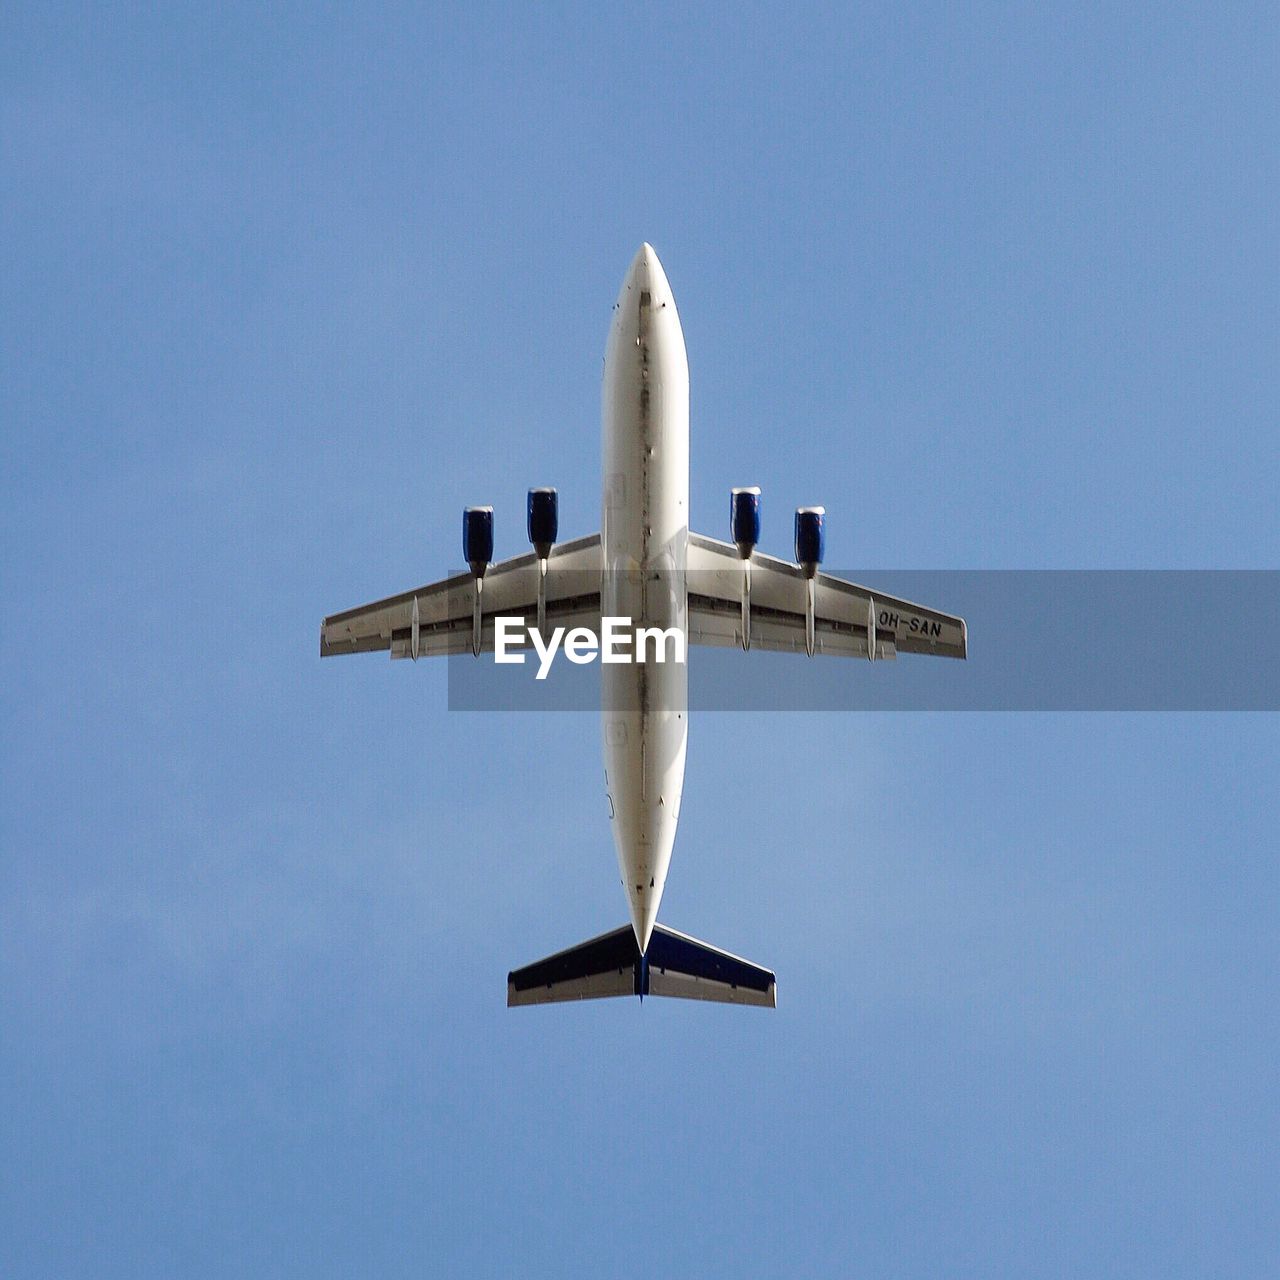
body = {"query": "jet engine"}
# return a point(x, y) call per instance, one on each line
point(544, 526)
point(544, 521)
point(744, 519)
point(477, 539)
point(810, 539)
point(810, 544)
point(477, 550)
point(744, 528)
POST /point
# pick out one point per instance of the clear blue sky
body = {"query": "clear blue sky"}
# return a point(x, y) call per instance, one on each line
point(281, 289)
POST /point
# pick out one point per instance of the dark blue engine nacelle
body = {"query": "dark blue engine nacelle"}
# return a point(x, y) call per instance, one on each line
point(477, 538)
point(544, 520)
point(810, 539)
point(744, 519)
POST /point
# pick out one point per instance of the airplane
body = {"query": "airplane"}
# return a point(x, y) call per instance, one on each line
point(647, 566)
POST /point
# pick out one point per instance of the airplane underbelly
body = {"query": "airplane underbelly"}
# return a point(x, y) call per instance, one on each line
point(645, 525)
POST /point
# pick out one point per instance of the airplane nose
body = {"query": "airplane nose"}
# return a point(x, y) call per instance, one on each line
point(645, 267)
point(646, 283)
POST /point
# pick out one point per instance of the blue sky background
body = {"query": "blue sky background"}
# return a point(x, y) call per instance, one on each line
point(282, 289)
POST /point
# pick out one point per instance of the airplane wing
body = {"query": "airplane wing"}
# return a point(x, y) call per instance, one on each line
point(848, 619)
point(439, 618)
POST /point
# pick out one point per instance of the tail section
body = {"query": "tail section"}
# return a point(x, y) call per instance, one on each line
point(613, 965)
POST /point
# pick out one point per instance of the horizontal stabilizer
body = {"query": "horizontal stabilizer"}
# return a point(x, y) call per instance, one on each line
point(611, 965)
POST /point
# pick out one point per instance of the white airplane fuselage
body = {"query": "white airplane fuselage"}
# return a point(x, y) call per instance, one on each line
point(644, 534)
